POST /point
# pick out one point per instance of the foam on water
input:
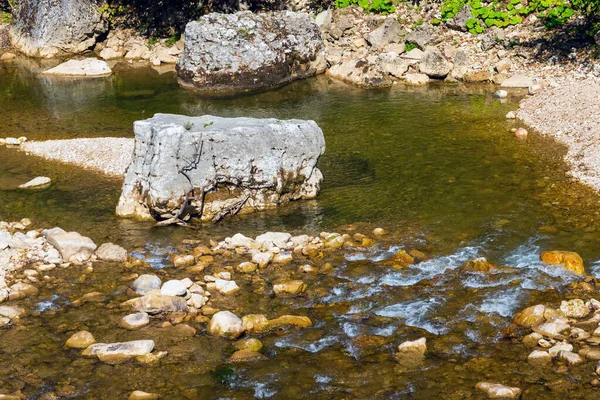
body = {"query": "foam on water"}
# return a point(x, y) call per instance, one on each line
point(417, 313)
point(313, 347)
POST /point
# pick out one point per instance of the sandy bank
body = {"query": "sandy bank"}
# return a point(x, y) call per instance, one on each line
point(570, 113)
point(108, 155)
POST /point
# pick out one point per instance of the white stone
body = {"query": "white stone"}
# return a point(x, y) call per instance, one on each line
point(72, 246)
point(35, 183)
point(262, 259)
point(417, 346)
point(111, 252)
point(226, 287)
point(417, 79)
point(575, 308)
point(498, 391)
point(501, 94)
point(539, 358)
point(173, 287)
point(196, 300)
point(145, 283)
point(87, 67)
point(518, 81)
point(273, 239)
point(135, 321)
point(119, 351)
point(554, 350)
point(227, 324)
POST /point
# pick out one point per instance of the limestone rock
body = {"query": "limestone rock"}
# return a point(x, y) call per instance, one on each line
point(359, 72)
point(273, 239)
point(531, 316)
point(48, 28)
point(227, 324)
point(570, 358)
point(262, 259)
point(291, 288)
point(87, 67)
point(80, 340)
point(417, 79)
point(115, 353)
point(155, 303)
point(557, 348)
point(245, 51)
point(386, 33)
point(111, 252)
point(574, 308)
point(568, 259)
point(411, 353)
point(461, 65)
point(37, 183)
point(552, 329)
point(434, 64)
point(139, 395)
point(518, 81)
point(459, 21)
point(72, 246)
point(539, 358)
point(173, 287)
point(324, 19)
point(499, 391)
point(422, 36)
point(135, 321)
point(146, 283)
point(246, 164)
point(226, 287)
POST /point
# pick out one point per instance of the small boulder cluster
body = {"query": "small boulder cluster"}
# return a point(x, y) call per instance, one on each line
point(27, 256)
point(566, 336)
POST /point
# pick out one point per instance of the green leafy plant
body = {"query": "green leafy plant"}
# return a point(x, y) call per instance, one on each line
point(152, 41)
point(370, 6)
point(502, 14)
point(188, 125)
point(6, 17)
point(207, 124)
point(409, 46)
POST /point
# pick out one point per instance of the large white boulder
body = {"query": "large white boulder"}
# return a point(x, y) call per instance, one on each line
point(239, 164)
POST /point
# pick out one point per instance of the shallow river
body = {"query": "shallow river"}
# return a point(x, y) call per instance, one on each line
point(436, 167)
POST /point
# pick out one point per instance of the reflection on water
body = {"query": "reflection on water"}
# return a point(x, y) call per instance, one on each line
point(437, 167)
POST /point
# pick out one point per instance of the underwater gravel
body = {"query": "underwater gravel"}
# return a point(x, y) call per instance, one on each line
point(571, 114)
point(108, 155)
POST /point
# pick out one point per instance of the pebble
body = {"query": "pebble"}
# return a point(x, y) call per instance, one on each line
point(521, 133)
point(135, 321)
point(511, 115)
point(80, 340)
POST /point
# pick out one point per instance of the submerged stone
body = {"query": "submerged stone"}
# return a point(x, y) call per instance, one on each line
point(531, 316)
point(135, 321)
point(72, 246)
point(290, 288)
point(155, 303)
point(146, 283)
point(499, 391)
point(111, 252)
point(246, 356)
point(80, 340)
point(115, 353)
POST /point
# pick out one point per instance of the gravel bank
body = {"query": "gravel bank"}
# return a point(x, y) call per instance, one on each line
point(570, 113)
point(108, 155)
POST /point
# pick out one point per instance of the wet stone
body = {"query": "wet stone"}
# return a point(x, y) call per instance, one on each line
point(498, 391)
point(290, 288)
point(249, 344)
point(570, 358)
point(115, 353)
point(255, 323)
point(246, 356)
point(80, 340)
point(140, 395)
point(135, 321)
point(539, 358)
point(226, 324)
point(531, 316)
point(574, 308)
point(145, 283)
point(156, 303)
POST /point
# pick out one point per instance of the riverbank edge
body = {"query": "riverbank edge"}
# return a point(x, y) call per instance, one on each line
point(568, 113)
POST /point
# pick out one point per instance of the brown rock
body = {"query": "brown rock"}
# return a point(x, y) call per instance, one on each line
point(80, 340)
point(568, 259)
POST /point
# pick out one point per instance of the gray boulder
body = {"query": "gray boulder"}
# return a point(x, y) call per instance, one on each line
point(229, 53)
point(434, 64)
point(423, 36)
point(388, 32)
point(459, 21)
point(211, 167)
point(50, 28)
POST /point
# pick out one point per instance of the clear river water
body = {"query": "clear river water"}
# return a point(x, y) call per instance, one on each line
point(437, 167)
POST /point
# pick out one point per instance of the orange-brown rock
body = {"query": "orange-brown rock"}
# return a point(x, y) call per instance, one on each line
point(568, 259)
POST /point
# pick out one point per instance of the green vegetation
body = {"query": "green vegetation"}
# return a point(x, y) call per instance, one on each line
point(112, 12)
point(370, 6)
point(188, 125)
point(409, 46)
point(553, 12)
point(152, 41)
point(5, 17)
point(207, 124)
point(174, 38)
